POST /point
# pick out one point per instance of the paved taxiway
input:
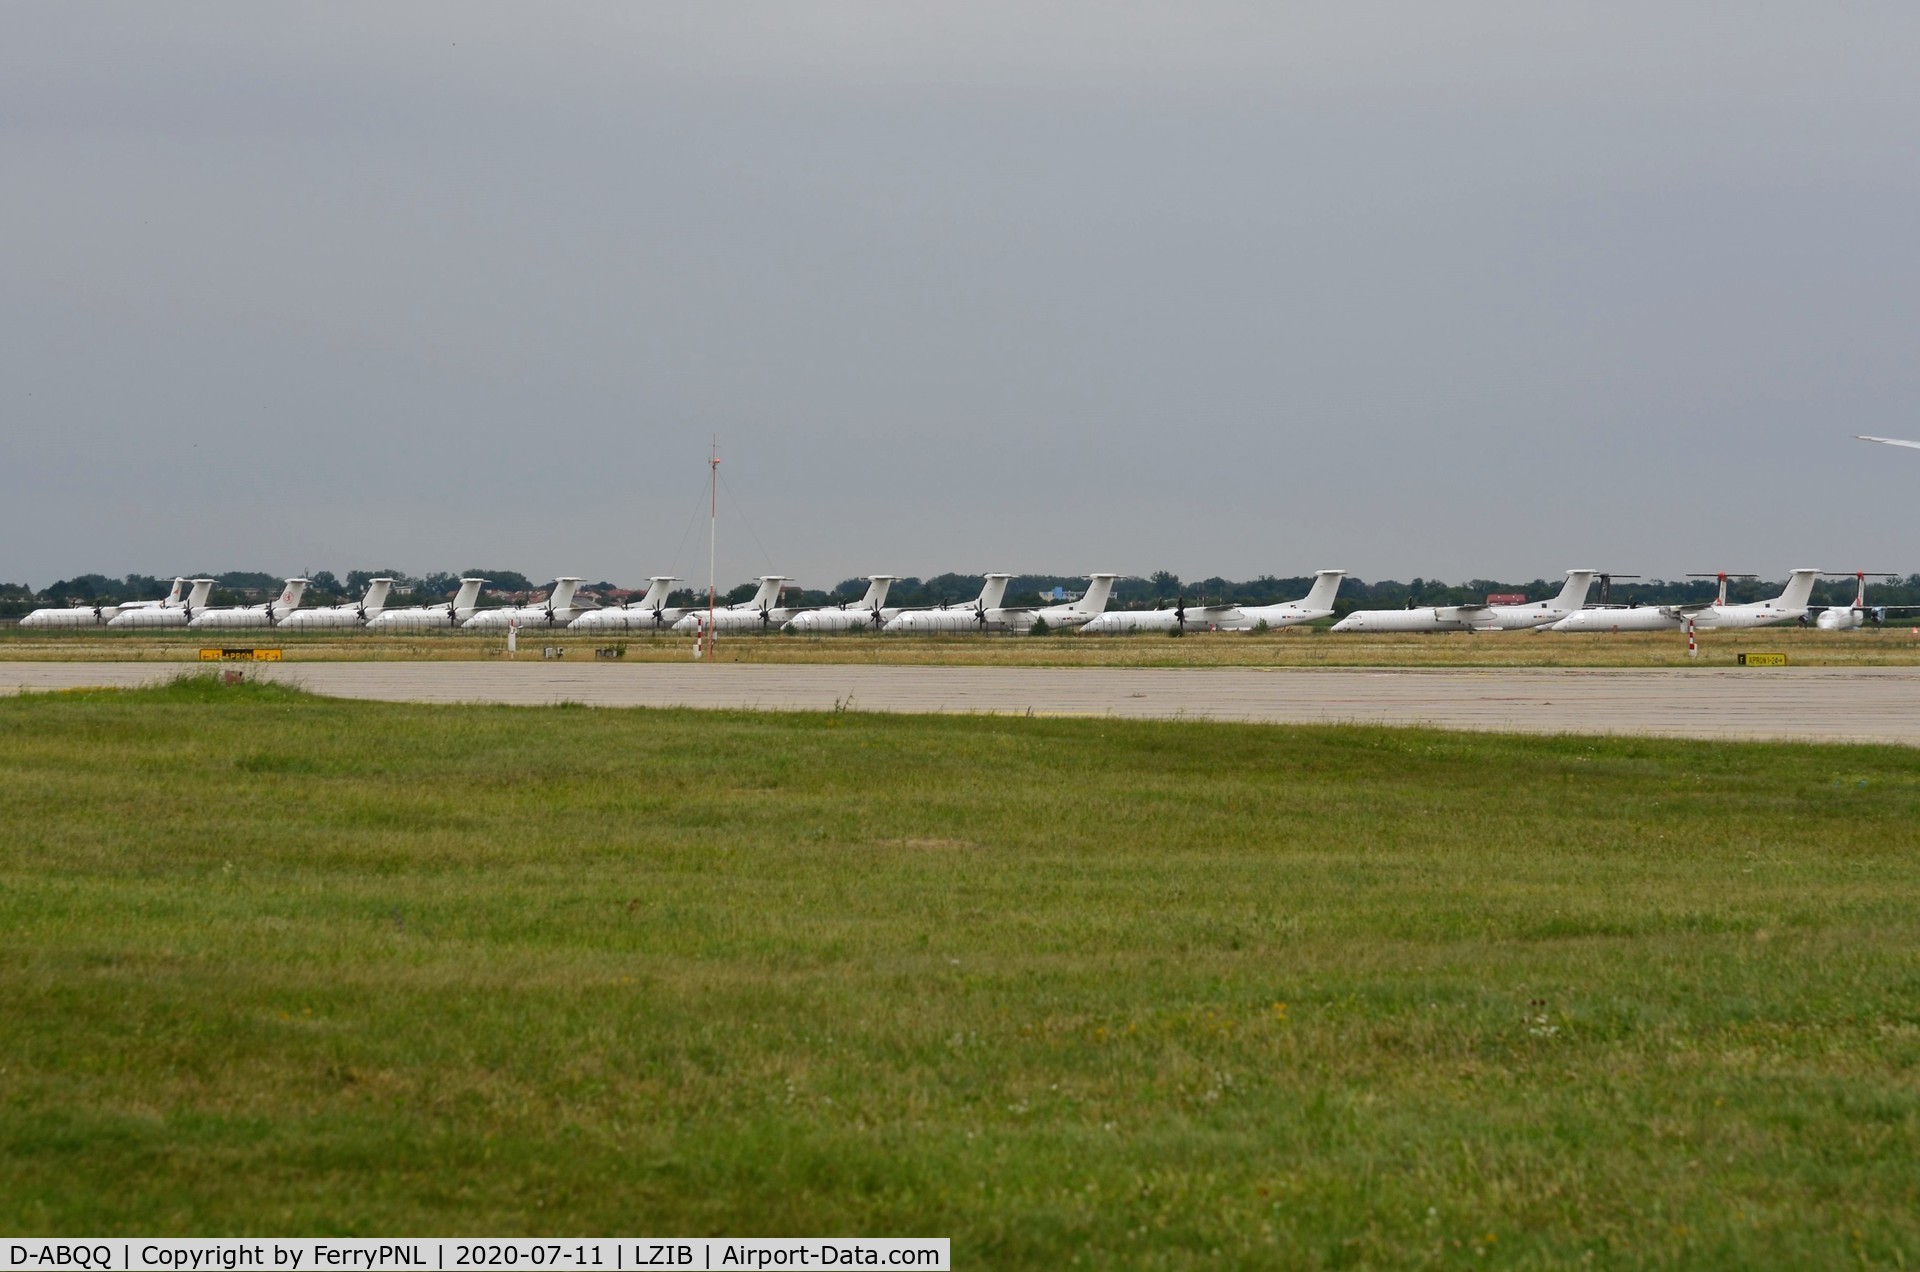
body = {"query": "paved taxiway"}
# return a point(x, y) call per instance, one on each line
point(1879, 704)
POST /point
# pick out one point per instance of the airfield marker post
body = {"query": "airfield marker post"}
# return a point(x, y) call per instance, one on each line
point(1693, 645)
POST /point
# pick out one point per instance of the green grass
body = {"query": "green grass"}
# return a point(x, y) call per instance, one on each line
point(1136, 994)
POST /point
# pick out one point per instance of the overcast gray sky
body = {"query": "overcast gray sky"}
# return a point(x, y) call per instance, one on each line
point(1452, 290)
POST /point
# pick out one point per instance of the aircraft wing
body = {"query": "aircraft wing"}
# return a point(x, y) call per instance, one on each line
point(1888, 441)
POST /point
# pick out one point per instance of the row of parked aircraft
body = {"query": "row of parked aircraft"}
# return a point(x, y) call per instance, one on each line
point(1567, 612)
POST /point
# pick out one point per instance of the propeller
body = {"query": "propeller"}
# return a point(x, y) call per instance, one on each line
point(1180, 615)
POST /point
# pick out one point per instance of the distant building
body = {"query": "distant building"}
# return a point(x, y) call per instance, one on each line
point(1506, 598)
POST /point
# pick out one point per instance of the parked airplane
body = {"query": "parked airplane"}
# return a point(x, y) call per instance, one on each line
point(1475, 618)
point(98, 615)
point(763, 613)
point(1126, 622)
point(352, 614)
point(1846, 618)
point(266, 615)
point(970, 617)
point(987, 614)
point(648, 614)
point(1315, 605)
point(165, 615)
point(556, 611)
point(1791, 604)
point(426, 617)
point(868, 614)
point(1073, 614)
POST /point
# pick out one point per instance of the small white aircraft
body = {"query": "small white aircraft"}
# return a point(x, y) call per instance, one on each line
point(1073, 614)
point(556, 611)
point(267, 615)
point(351, 614)
point(987, 614)
point(98, 615)
point(1888, 441)
point(868, 614)
point(763, 613)
point(1316, 604)
point(1790, 605)
point(648, 614)
point(970, 617)
point(1127, 622)
point(174, 615)
point(1847, 618)
point(1476, 618)
point(426, 617)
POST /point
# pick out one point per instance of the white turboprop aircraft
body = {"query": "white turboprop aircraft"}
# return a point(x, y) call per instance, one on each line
point(556, 611)
point(987, 614)
point(1846, 618)
point(648, 614)
point(1476, 618)
point(1790, 605)
point(267, 615)
point(1317, 604)
point(1073, 614)
point(1126, 622)
point(424, 617)
point(868, 614)
point(763, 613)
point(970, 617)
point(98, 615)
point(352, 614)
point(165, 615)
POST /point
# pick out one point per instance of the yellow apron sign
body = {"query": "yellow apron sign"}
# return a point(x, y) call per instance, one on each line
point(1763, 660)
point(239, 655)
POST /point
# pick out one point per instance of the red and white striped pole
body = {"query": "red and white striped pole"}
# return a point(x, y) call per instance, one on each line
point(1693, 646)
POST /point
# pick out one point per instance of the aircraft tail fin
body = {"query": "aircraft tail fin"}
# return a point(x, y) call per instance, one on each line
point(197, 597)
point(657, 591)
point(562, 595)
point(376, 598)
point(468, 594)
point(994, 591)
point(1573, 594)
point(1325, 584)
point(289, 599)
point(1799, 589)
point(172, 600)
point(877, 585)
point(1099, 588)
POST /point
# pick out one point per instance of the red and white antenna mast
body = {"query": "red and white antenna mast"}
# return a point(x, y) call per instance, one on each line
point(713, 527)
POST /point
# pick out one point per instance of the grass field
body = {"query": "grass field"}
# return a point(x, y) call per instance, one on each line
point(1072, 992)
point(1290, 647)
